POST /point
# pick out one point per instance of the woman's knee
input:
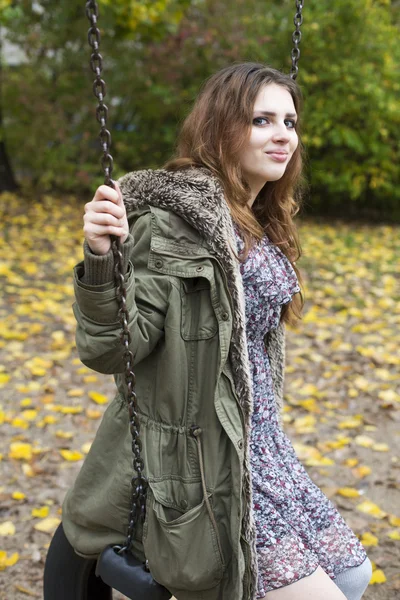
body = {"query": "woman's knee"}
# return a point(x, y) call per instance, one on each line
point(354, 581)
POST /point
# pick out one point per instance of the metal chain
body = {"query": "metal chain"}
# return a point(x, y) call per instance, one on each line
point(139, 481)
point(296, 38)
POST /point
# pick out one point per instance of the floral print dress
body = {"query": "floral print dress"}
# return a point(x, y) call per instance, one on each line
point(298, 527)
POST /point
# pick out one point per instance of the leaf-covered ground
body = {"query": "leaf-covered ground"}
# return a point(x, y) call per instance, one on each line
point(342, 383)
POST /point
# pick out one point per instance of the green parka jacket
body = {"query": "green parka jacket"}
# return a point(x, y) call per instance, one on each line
point(187, 321)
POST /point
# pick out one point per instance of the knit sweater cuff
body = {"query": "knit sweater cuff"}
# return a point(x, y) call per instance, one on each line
point(99, 269)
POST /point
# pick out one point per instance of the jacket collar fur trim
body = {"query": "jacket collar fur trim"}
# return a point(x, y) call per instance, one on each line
point(197, 196)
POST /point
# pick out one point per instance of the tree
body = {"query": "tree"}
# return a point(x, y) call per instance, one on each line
point(158, 54)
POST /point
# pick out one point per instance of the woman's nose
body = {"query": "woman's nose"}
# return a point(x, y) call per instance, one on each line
point(281, 134)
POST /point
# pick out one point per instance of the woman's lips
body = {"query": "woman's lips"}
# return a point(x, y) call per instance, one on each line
point(278, 156)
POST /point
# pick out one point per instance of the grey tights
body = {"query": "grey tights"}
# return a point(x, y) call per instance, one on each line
point(354, 581)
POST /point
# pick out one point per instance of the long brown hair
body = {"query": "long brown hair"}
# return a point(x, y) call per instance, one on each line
point(213, 135)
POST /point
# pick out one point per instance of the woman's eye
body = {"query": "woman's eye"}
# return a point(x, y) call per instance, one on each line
point(291, 121)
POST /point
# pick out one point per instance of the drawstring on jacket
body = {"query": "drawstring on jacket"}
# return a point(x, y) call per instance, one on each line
point(196, 433)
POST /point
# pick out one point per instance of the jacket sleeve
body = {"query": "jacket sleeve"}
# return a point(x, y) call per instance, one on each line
point(96, 308)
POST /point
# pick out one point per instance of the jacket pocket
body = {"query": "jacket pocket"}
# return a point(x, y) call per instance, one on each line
point(198, 320)
point(180, 544)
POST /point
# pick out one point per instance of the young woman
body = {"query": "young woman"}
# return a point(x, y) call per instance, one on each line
point(209, 246)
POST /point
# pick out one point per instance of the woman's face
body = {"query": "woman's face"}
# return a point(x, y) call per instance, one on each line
point(273, 138)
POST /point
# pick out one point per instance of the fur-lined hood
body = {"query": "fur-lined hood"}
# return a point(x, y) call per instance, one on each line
point(197, 196)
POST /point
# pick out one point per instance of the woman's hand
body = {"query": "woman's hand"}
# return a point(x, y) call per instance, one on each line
point(105, 215)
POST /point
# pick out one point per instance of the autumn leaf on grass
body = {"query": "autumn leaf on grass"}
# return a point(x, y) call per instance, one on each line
point(65, 435)
point(68, 410)
point(18, 495)
point(98, 398)
point(364, 441)
point(351, 423)
point(372, 509)
point(7, 528)
point(7, 561)
point(394, 535)
point(380, 447)
point(378, 576)
point(348, 492)
point(394, 521)
point(71, 455)
point(48, 525)
point(25, 590)
point(86, 447)
point(75, 393)
point(20, 451)
point(361, 471)
point(41, 513)
point(4, 378)
point(93, 414)
point(389, 396)
point(351, 462)
point(368, 539)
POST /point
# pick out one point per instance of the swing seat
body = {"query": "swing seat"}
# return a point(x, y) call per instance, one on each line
point(129, 576)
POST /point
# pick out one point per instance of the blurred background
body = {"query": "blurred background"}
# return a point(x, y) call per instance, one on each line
point(342, 383)
point(157, 54)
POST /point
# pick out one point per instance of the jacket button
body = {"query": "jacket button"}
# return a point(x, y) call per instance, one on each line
point(159, 264)
point(240, 444)
point(200, 268)
point(225, 316)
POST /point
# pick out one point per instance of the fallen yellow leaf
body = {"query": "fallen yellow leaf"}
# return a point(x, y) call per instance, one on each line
point(75, 393)
point(27, 470)
point(65, 435)
point(71, 455)
point(364, 440)
point(86, 447)
point(348, 492)
point(394, 521)
point(7, 561)
point(29, 415)
point(368, 539)
point(18, 495)
point(93, 414)
point(394, 535)
point(20, 451)
point(389, 396)
point(350, 424)
point(25, 590)
point(351, 462)
point(7, 528)
point(380, 447)
point(41, 513)
point(361, 471)
point(378, 576)
point(98, 398)
point(20, 423)
point(372, 509)
point(4, 378)
point(48, 525)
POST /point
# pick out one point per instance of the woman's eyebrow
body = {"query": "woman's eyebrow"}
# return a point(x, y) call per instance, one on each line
point(272, 114)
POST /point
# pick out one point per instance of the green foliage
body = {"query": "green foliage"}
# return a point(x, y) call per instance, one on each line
point(157, 54)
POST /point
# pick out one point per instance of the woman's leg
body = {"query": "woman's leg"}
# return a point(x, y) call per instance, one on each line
point(68, 576)
point(317, 586)
point(354, 581)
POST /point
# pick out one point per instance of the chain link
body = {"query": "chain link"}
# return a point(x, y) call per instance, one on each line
point(139, 482)
point(296, 38)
